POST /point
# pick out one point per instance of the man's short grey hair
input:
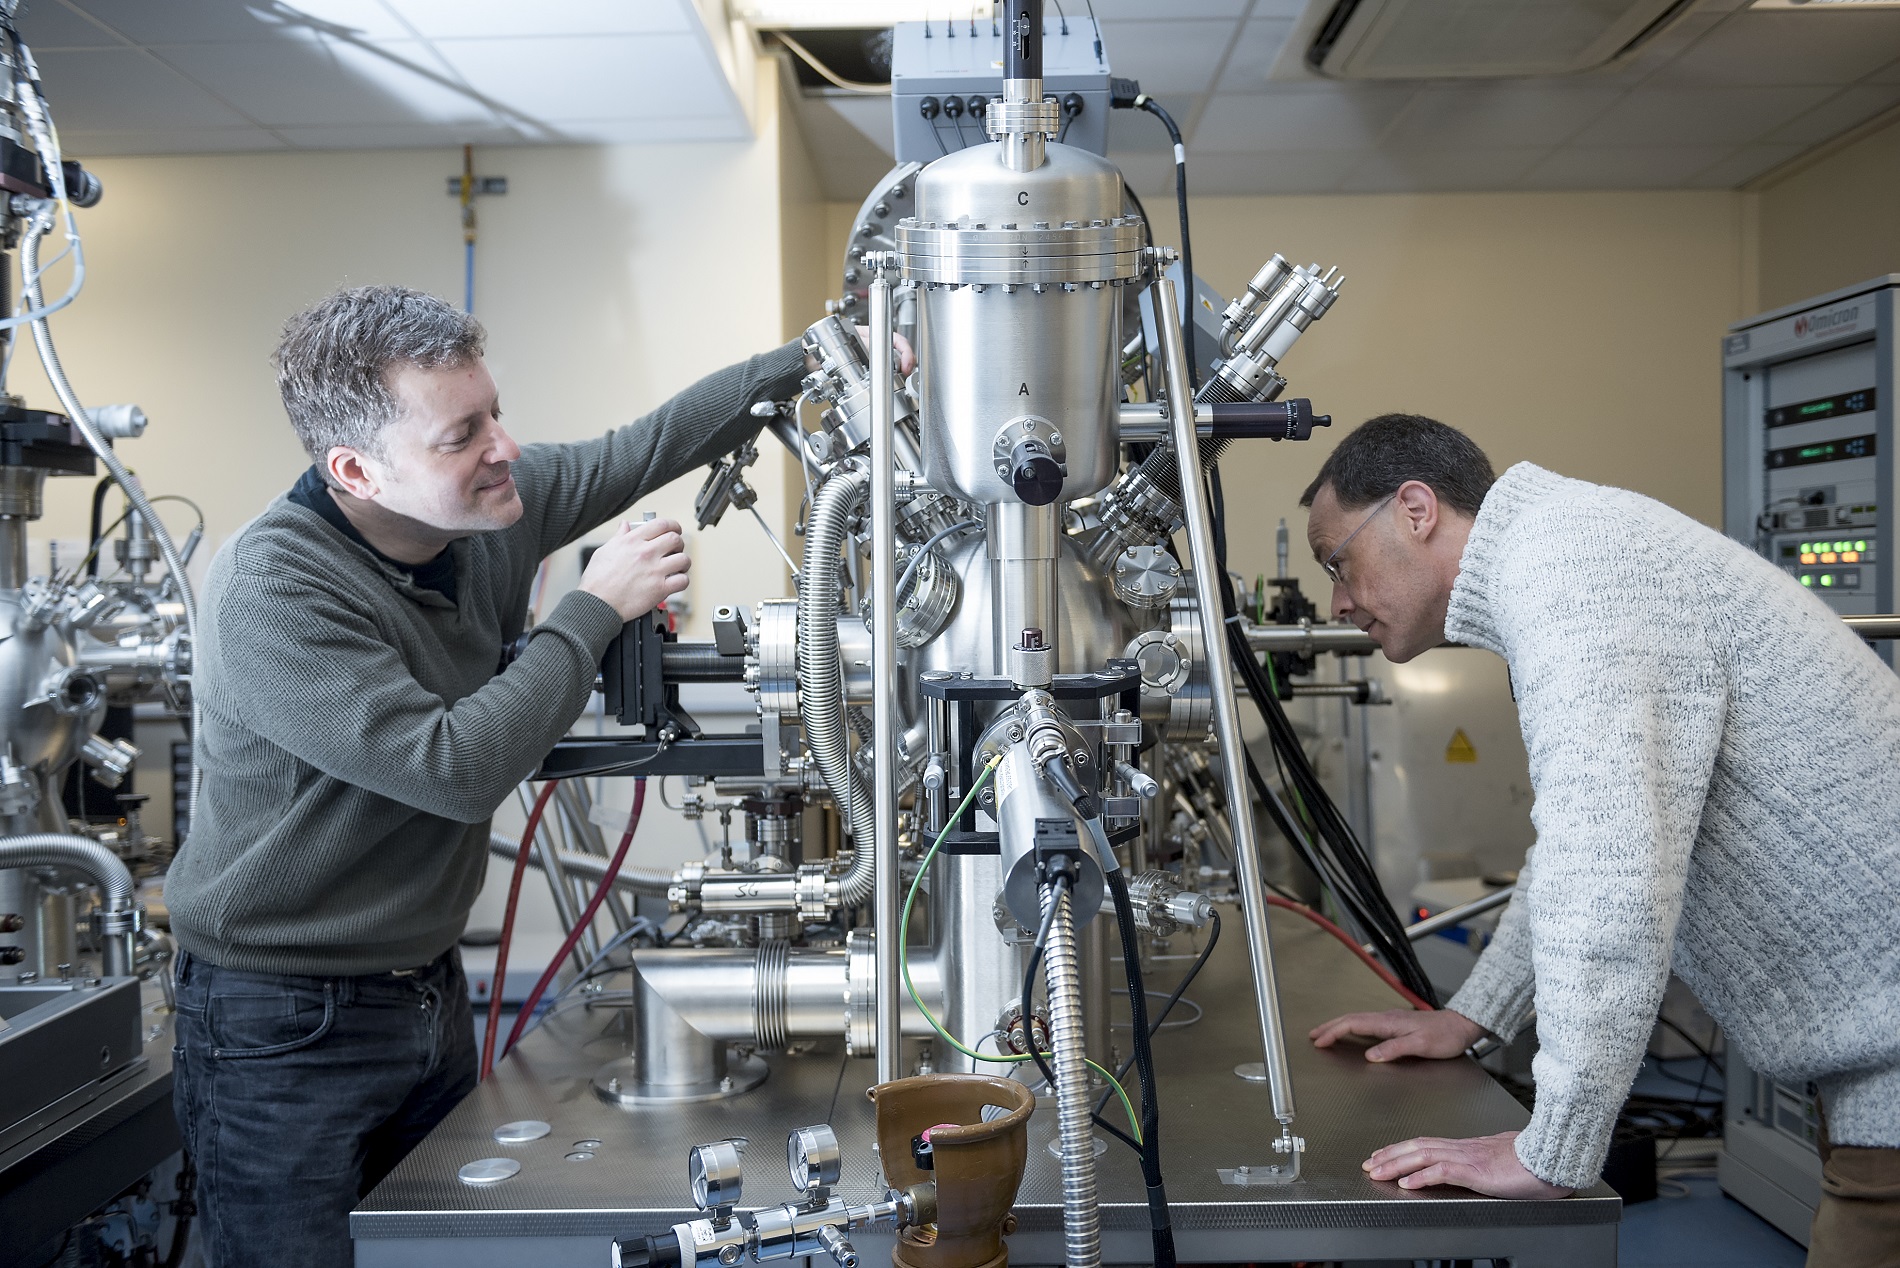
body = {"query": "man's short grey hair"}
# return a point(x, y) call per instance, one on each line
point(334, 362)
point(1383, 453)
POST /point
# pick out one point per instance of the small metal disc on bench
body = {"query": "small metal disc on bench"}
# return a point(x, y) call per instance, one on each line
point(520, 1133)
point(488, 1170)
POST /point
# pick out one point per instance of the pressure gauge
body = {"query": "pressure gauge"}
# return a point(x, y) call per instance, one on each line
point(813, 1155)
point(716, 1174)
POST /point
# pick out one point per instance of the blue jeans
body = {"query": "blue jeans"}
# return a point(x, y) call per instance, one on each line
point(296, 1095)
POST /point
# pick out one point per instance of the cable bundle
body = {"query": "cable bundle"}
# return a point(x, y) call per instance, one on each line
point(1333, 851)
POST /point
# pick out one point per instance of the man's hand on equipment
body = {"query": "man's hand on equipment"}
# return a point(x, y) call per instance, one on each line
point(906, 358)
point(638, 567)
point(1487, 1165)
point(1404, 1032)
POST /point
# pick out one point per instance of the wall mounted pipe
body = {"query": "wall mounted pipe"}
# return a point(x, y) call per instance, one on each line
point(1200, 530)
point(118, 924)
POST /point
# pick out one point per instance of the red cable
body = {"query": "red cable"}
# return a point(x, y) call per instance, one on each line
point(587, 918)
point(508, 926)
point(1385, 974)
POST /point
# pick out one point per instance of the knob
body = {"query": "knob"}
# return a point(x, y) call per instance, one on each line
point(12, 955)
point(11, 922)
point(1034, 474)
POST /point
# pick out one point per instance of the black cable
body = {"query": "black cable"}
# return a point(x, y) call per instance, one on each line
point(1193, 972)
point(1188, 301)
point(1058, 882)
point(1160, 1226)
point(98, 520)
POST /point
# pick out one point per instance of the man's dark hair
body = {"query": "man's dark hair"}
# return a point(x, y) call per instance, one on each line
point(334, 363)
point(1382, 453)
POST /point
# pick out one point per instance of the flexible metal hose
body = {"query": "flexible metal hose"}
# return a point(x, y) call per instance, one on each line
point(119, 928)
point(821, 672)
point(56, 375)
point(1081, 1214)
point(640, 880)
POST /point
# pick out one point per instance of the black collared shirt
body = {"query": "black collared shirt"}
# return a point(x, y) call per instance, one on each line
point(312, 493)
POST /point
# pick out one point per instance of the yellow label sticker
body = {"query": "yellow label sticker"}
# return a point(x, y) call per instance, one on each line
point(1460, 750)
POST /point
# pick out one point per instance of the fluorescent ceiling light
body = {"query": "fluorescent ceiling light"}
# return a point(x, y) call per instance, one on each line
point(1818, 6)
point(792, 15)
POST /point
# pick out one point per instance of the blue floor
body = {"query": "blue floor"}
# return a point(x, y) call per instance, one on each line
point(1703, 1230)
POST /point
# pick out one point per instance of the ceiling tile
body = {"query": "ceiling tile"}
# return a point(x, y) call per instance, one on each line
point(110, 88)
point(1260, 42)
point(1698, 116)
point(1508, 113)
point(1307, 117)
point(1744, 165)
point(648, 131)
point(50, 24)
point(1846, 109)
point(1409, 170)
point(119, 141)
point(1167, 57)
point(1149, 175)
point(1757, 48)
point(1888, 74)
point(435, 19)
point(1284, 172)
point(1139, 130)
point(1111, 10)
point(239, 23)
point(330, 84)
point(600, 77)
point(1627, 167)
point(400, 136)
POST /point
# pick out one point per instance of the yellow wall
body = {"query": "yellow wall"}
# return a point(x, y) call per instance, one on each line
point(1578, 331)
point(1832, 223)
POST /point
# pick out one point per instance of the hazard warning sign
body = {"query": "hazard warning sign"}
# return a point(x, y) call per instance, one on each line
point(1460, 750)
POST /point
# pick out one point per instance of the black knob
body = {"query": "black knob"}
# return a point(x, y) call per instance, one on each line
point(1034, 474)
point(12, 955)
point(11, 922)
point(923, 1153)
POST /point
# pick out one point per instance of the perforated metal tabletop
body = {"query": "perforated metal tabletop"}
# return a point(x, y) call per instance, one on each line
point(558, 1210)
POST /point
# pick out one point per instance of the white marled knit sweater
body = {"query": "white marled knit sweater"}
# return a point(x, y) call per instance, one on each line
point(1716, 762)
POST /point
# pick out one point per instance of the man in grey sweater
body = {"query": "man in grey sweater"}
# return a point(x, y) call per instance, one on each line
point(1716, 764)
point(359, 731)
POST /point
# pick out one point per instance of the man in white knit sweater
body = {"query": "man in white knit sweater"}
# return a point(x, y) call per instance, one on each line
point(1716, 763)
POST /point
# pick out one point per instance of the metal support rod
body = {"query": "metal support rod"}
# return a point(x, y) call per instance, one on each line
point(1220, 678)
point(1459, 914)
point(886, 729)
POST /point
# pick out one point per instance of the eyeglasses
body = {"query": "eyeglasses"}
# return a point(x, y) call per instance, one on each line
point(1333, 569)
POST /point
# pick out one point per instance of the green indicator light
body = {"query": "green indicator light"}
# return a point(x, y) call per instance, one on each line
point(1807, 548)
point(1827, 578)
point(1817, 407)
point(1860, 545)
point(1841, 546)
point(1808, 581)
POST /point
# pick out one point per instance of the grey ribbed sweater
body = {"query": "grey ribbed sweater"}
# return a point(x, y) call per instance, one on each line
point(357, 730)
point(1716, 764)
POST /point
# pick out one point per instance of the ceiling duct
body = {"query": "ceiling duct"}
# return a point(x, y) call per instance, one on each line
point(1481, 39)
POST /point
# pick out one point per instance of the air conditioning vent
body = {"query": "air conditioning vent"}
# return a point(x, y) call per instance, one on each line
point(1481, 39)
